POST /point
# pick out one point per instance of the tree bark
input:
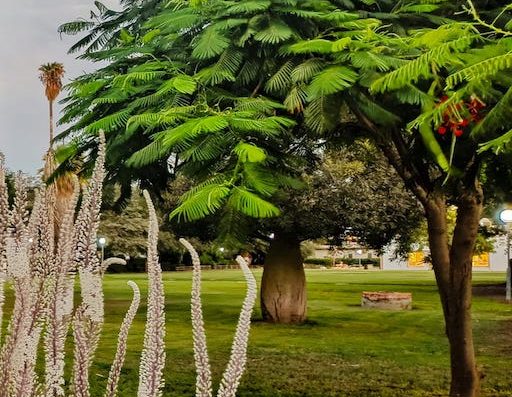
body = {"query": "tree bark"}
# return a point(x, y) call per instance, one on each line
point(283, 285)
point(50, 111)
point(453, 270)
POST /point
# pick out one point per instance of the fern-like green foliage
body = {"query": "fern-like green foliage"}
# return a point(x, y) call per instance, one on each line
point(426, 65)
point(212, 42)
point(251, 204)
point(248, 153)
point(331, 80)
point(241, 92)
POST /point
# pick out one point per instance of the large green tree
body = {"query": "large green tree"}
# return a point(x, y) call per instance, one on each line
point(454, 92)
point(221, 77)
point(210, 98)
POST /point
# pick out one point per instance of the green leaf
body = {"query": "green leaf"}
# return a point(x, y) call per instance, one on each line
point(110, 122)
point(296, 99)
point(320, 46)
point(481, 70)
point(422, 67)
point(149, 154)
point(201, 203)
point(497, 119)
point(430, 142)
point(126, 37)
point(418, 8)
point(497, 145)
point(260, 179)
point(268, 126)
point(246, 7)
point(330, 81)
point(184, 84)
point(341, 44)
point(210, 44)
point(192, 128)
point(249, 153)
point(276, 32)
point(251, 204)
point(149, 36)
point(280, 81)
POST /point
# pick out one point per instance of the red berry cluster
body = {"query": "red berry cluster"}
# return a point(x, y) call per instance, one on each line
point(452, 118)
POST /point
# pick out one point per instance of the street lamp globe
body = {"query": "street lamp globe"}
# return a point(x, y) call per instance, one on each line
point(102, 241)
point(506, 216)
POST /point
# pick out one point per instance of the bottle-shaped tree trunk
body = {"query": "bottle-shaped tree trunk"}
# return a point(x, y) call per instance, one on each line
point(283, 285)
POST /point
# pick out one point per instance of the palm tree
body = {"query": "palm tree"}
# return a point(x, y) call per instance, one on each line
point(51, 77)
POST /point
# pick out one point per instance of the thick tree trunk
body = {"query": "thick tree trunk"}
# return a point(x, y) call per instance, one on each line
point(453, 269)
point(283, 285)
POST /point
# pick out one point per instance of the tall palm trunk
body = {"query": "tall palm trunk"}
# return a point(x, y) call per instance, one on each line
point(453, 269)
point(50, 111)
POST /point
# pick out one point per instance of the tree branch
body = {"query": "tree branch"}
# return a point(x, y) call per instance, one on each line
point(396, 153)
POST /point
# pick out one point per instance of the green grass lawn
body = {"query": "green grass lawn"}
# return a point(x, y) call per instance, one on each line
point(344, 350)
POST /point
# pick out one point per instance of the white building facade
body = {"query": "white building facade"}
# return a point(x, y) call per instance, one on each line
point(493, 261)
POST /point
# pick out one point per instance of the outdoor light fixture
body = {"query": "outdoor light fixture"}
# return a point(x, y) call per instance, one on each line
point(102, 241)
point(506, 218)
point(359, 253)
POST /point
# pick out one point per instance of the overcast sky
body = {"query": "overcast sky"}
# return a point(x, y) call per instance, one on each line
point(29, 38)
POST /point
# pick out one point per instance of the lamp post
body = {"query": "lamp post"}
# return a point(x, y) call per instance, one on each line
point(506, 218)
point(102, 241)
point(359, 253)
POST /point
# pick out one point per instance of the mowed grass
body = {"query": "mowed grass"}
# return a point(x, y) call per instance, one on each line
point(343, 350)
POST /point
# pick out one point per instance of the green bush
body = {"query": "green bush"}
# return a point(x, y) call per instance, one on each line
point(318, 261)
point(364, 261)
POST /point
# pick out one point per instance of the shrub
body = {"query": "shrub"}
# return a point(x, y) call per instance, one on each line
point(42, 268)
point(318, 261)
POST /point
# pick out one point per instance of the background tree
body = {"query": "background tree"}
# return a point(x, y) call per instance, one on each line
point(353, 192)
point(51, 75)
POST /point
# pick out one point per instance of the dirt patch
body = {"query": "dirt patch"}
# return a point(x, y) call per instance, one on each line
point(505, 332)
point(495, 291)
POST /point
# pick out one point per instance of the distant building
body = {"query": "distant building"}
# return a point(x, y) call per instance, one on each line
point(493, 261)
point(350, 250)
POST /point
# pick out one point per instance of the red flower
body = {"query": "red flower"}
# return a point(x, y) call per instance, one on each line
point(442, 130)
point(458, 132)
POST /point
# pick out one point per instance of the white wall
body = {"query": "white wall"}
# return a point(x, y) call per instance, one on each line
point(497, 260)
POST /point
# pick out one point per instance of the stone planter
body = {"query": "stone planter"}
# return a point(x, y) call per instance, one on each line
point(387, 300)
